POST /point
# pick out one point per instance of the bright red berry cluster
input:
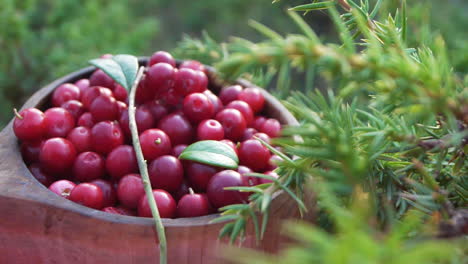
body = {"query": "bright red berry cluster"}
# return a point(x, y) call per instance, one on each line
point(80, 148)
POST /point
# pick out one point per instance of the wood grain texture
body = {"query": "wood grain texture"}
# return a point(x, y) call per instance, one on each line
point(37, 226)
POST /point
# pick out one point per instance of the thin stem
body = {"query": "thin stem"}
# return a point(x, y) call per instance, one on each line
point(17, 114)
point(144, 170)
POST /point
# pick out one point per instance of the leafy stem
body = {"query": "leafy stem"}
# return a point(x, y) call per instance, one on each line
point(144, 170)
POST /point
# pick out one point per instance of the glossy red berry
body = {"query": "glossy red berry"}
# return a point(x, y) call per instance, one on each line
point(88, 194)
point(29, 125)
point(166, 205)
point(30, 151)
point(233, 123)
point(254, 155)
point(230, 93)
point(161, 56)
point(105, 136)
point(130, 190)
point(86, 120)
point(40, 175)
point(88, 166)
point(177, 150)
point(108, 191)
point(143, 117)
point(199, 175)
point(202, 81)
point(273, 162)
point(192, 64)
point(155, 143)
point(248, 180)
point(92, 93)
point(74, 107)
point(230, 144)
point(186, 82)
point(217, 104)
point(178, 128)
point(121, 107)
point(210, 129)
point(253, 97)
point(64, 93)
point(248, 133)
point(57, 155)
point(100, 78)
point(269, 173)
point(157, 109)
point(81, 138)
point(244, 108)
point(160, 77)
point(166, 172)
point(220, 197)
point(262, 136)
point(62, 188)
point(258, 122)
point(83, 85)
point(193, 204)
point(58, 122)
point(120, 93)
point(144, 92)
point(271, 127)
point(121, 161)
point(104, 108)
point(197, 107)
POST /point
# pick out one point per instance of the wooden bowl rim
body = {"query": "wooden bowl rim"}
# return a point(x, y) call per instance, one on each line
point(38, 98)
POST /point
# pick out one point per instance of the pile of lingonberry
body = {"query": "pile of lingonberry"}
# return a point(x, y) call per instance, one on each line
point(81, 148)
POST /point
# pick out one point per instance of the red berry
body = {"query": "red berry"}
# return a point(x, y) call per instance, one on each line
point(253, 97)
point(74, 107)
point(160, 77)
point(217, 104)
point(230, 93)
point(244, 108)
point(121, 161)
point(183, 190)
point(248, 180)
point(64, 93)
point(108, 191)
point(230, 144)
point(199, 175)
point(192, 205)
point(121, 107)
point(258, 122)
point(104, 108)
point(155, 143)
point(270, 173)
point(40, 175)
point(81, 138)
point(197, 107)
point(202, 81)
point(87, 194)
point(157, 110)
point(171, 98)
point(192, 64)
point(86, 120)
point(186, 82)
point(210, 129)
point(144, 92)
point(262, 136)
point(248, 133)
point(166, 172)
point(58, 122)
point(161, 56)
point(233, 123)
point(62, 188)
point(105, 136)
point(166, 205)
point(88, 166)
point(57, 155)
point(177, 150)
point(271, 127)
point(273, 162)
point(83, 85)
point(220, 197)
point(254, 155)
point(120, 93)
point(92, 93)
point(130, 190)
point(30, 151)
point(178, 128)
point(100, 78)
point(29, 125)
point(143, 117)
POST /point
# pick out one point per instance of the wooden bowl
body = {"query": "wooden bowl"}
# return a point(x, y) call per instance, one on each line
point(37, 226)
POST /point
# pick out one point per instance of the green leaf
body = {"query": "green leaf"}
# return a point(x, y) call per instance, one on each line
point(313, 6)
point(121, 68)
point(211, 152)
